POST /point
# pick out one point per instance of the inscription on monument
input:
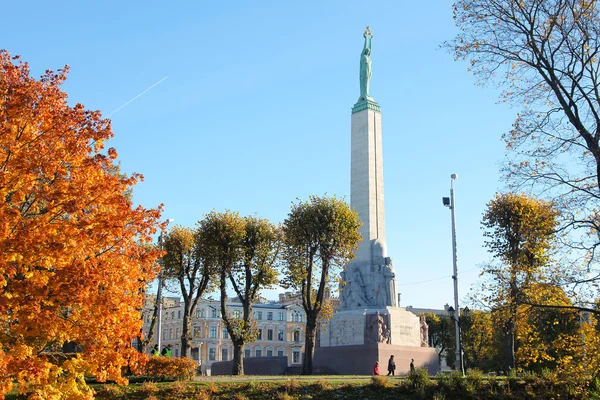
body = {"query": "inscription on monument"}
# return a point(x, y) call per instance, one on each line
point(405, 328)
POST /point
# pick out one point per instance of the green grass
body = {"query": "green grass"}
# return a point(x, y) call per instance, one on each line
point(340, 387)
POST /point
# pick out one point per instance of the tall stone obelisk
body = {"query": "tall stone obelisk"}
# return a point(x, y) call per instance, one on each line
point(370, 278)
point(368, 325)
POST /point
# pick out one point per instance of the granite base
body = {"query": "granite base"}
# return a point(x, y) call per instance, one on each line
point(360, 359)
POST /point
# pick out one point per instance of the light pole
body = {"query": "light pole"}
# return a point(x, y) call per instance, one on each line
point(449, 202)
point(159, 291)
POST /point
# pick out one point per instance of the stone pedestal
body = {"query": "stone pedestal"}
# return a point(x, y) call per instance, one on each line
point(351, 342)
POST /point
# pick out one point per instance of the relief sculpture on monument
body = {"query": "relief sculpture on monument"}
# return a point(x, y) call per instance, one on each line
point(377, 329)
point(353, 289)
point(424, 331)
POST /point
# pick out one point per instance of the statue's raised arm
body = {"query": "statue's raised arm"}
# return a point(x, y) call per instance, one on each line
point(365, 67)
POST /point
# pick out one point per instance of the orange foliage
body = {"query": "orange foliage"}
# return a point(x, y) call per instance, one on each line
point(74, 252)
point(170, 366)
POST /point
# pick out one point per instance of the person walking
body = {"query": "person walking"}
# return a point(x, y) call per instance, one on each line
point(391, 366)
point(166, 351)
point(412, 366)
point(155, 351)
point(376, 368)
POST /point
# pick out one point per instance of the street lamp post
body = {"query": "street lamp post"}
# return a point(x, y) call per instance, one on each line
point(449, 202)
point(159, 291)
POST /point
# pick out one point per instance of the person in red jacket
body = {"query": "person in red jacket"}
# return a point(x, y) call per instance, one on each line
point(376, 368)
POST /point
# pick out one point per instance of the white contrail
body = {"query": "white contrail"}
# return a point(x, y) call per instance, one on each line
point(136, 97)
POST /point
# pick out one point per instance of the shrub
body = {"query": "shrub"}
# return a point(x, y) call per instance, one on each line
point(110, 390)
point(473, 380)
point(170, 366)
point(291, 385)
point(380, 382)
point(323, 385)
point(149, 388)
point(419, 378)
point(178, 388)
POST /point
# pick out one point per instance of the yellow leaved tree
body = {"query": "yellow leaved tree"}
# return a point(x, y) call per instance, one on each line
point(74, 258)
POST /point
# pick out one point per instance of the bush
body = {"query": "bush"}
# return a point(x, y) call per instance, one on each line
point(170, 366)
point(419, 378)
point(473, 380)
point(380, 382)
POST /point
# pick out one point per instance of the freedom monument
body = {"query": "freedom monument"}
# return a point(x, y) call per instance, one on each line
point(369, 325)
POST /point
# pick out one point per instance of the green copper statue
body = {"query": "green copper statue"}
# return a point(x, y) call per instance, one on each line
point(365, 67)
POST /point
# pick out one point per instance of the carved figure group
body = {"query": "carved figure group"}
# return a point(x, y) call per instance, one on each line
point(377, 330)
point(424, 331)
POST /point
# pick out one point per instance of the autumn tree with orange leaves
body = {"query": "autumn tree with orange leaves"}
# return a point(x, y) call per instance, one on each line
point(74, 254)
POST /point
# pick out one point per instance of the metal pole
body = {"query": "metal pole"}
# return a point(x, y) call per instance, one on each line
point(459, 363)
point(159, 298)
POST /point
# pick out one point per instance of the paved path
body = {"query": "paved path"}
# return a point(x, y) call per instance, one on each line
point(245, 378)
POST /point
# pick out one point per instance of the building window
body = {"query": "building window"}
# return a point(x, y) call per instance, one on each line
point(269, 334)
point(225, 333)
point(296, 357)
point(177, 333)
point(247, 353)
point(280, 316)
point(297, 336)
point(213, 312)
point(259, 315)
point(176, 352)
point(269, 352)
point(213, 332)
point(203, 313)
point(270, 316)
point(280, 334)
point(224, 353)
point(197, 332)
point(259, 334)
point(164, 333)
point(179, 314)
point(258, 353)
point(171, 333)
point(279, 353)
point(212, 354)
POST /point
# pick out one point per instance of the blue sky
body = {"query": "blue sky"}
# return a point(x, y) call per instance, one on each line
point(255, 111)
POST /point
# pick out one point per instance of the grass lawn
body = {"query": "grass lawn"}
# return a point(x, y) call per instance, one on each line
point(345, 387)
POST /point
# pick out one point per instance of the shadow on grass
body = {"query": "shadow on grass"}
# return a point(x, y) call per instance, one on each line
point(378, 388)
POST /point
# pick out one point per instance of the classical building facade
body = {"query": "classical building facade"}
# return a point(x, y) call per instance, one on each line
point(281, 327)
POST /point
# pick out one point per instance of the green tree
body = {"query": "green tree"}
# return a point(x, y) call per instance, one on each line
point(543, 331)
point(441, 335)
point(520, 231)
point(321, 235)
point(545, 54)
point(482, 345)
point(183, 263)
point(245, 252)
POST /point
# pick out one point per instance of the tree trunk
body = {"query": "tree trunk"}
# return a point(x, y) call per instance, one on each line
point(238, 359)
point(309, 345)
point(186, 332)
point(509, 347)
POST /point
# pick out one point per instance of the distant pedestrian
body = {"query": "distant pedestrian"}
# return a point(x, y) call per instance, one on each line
point(155, 351)
point(376, 368)
point(412, 366)
point(391, 366)
point(166, 351)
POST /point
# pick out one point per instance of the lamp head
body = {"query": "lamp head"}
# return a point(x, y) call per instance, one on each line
point(454, 176)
